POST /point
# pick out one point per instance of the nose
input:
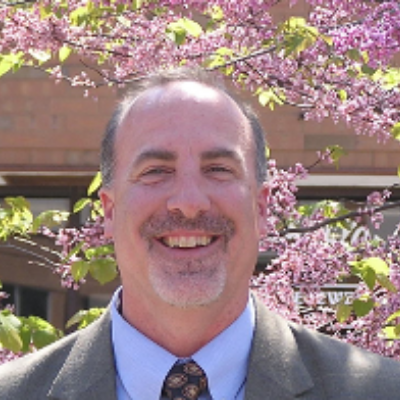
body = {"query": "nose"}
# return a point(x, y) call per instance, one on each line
point(188, 197)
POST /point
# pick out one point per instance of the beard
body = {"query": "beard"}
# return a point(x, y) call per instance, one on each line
point(185, 281)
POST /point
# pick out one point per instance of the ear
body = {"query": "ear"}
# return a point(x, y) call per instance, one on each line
point(262, 202)
point(107, 201)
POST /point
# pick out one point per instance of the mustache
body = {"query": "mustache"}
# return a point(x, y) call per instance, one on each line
point(157, 225)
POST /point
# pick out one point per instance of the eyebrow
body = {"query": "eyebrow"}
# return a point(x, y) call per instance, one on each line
point(154, 154)
point(220, 153)
point(167, 155)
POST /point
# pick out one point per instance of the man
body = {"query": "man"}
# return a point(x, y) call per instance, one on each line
point(184, 199)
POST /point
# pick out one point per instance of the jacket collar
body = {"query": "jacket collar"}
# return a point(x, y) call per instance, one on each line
point(276, 370)
point(76, 381)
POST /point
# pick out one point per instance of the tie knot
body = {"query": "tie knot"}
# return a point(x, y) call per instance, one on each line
point(185, 381)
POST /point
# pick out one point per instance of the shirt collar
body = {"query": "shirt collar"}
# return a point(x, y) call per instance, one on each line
point(224, 359)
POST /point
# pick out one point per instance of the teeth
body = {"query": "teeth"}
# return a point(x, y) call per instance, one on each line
point(187, 241)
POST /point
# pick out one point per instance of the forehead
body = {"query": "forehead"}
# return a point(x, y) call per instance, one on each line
point(167, 96)
point(191, 110)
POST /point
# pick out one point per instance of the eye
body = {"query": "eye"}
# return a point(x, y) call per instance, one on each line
point(220, 172)
point(154, 175)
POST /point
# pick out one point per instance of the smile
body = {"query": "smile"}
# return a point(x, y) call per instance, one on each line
point(186, 242)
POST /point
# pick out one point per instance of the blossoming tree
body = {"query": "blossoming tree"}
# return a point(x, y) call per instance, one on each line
point(336, 62)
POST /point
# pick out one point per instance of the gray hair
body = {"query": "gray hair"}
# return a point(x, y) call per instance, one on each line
point(162, 78)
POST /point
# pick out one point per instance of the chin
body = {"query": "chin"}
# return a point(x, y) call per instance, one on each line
point(190, 289)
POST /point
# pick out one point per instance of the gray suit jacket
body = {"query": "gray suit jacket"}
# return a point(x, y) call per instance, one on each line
point(287, 362)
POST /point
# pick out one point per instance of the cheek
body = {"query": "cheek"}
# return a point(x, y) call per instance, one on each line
point(136, 206)
point(240, 203)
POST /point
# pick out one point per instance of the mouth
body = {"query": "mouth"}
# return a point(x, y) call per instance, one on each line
point(187, 242)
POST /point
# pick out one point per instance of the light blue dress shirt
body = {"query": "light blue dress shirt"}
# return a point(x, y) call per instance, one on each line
point(142, 365)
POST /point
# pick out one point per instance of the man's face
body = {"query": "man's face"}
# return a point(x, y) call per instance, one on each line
point(184, 205)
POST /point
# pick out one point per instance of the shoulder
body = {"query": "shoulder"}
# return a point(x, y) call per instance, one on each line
point(344, 367)
point(20, 378)
point(337, 355)
point(42, 366)
point(334, 369)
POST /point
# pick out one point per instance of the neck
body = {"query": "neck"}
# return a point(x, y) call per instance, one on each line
point(181, 331)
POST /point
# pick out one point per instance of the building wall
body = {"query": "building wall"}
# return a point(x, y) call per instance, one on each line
point(46, 126)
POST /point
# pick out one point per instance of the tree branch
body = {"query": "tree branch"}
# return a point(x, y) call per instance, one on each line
point(349, 215)
point(28, 252)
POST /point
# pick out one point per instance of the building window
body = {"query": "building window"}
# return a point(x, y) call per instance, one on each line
point(27, 301)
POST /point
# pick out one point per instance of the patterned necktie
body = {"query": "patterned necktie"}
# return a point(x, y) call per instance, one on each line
point(185, 382)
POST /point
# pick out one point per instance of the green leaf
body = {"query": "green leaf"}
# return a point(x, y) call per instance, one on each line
point(343, 311)
point(104, 270)
point(367, 274)
point(385, 282)
point(395, 132)
point(298, 35)
point(397, 330)
point(367, 70)
point(219, 58)
point(378, 265)
point(393, 316)
point(64, 53)
point(9, 331)
point(78, 16)
point(267, 152)
point(389, 79)
point(327, 39)
point(336, 153)
point(75, 250)
point(392, 332)
point(12, 61)
point(95, 184)
point(42, 333)
point(79, 269)
point(26, 337)
point(177, 35)
point(45, 11)
point(50, 219)
point(270, 97)
point(369, 277)
point(370, 269)
point(81, 204)
point(85, 317)
point(178, 30)
point(354, 55)
point(342, 94)
point(16, 217)
point(265, 97)
point(191, 27)
point(363, 307)
point(100, 251)
point(5, 66)
point(216, 13)
point(42, 338)
point(81, 15)
point(18, 203)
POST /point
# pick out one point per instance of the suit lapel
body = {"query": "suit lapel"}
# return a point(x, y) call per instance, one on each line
point(276, 370)
point(88, 372)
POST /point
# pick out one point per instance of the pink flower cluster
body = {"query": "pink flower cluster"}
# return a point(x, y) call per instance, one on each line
point(312, 249)
point(73, 243)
